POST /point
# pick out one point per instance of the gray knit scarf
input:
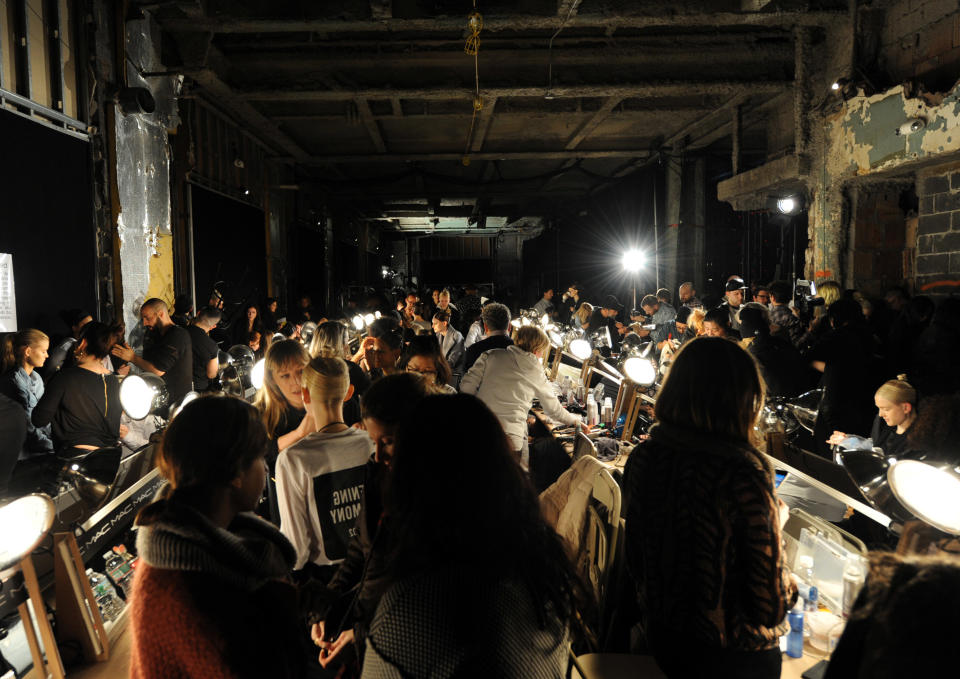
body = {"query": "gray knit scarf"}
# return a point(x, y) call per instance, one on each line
point(247, 556)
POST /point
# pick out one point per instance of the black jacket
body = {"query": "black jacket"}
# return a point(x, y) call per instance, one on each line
point(477, 348)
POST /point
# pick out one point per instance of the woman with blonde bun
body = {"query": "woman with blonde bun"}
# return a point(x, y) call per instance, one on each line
point(896, 402)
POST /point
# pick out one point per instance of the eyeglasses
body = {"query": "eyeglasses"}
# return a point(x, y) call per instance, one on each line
point(425, 373)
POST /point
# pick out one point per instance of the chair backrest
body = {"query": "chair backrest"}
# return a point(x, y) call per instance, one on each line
point(583, 446)
point(602, 530)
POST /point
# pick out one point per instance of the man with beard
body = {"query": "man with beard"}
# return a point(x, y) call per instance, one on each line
point(168, 351)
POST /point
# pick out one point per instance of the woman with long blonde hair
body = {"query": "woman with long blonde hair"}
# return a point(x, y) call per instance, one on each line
point(280, 403)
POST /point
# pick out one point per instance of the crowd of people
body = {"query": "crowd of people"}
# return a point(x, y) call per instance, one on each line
point(371, 512)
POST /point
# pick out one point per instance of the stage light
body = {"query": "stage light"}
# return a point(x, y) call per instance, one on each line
point(930, 491)
point(177, 407)
point(633, 260)
point(358, 322)
point(25, 521)
point(369, 319)
point(640, 370)
point(581, 349)
point(141, 395)
point(835, 86)
point(789, 205)
point(256, 374)
point(306, 332)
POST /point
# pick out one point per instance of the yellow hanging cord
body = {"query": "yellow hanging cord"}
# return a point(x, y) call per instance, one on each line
point(472, 47)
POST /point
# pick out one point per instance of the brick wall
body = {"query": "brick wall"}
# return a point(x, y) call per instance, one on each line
point(881, 258)
point(920, 37)
point(938, 234)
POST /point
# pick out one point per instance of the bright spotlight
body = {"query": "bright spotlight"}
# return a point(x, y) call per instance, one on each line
point(835, 86)
point(633, 260)
point(369, 318)
point(256, 374)
point(358, 322)
point(788, 205)
point(581, 349)
point(640, 370)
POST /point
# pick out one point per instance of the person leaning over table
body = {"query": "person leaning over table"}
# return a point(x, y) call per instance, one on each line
point(703, 522)
point(508, 380)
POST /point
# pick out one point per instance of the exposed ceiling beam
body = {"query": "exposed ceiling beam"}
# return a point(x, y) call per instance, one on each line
point(719, 114)
point(221, 95)
point(485, 155)
point(395, 107)
point(590, 125)
point(757, 39)
point(622, 114)
point(645, 89)
point(507, 22)
point(363, 108)
point(381, 9)
point(323, 56)
point(483, 124)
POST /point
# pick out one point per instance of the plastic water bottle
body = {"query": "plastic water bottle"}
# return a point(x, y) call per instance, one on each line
point(853, 579)
point(805, 569)
point(598, 393)
point(795, 636)
point(592, 415)
point(119, 572)
point(107, 600)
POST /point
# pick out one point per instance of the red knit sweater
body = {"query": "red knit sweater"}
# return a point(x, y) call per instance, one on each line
point(192, 625)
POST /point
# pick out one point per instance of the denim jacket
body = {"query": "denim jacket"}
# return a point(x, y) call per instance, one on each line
point(26, 390)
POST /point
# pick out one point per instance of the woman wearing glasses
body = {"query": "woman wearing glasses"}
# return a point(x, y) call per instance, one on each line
point(423, 356)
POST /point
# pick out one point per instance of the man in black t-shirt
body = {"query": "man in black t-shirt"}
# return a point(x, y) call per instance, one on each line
point(169, 355)
point(205, 350)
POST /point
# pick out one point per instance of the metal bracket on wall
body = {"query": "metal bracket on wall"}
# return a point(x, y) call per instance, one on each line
point(49, 117)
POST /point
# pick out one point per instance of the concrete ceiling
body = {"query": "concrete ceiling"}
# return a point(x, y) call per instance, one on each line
point(374, 99)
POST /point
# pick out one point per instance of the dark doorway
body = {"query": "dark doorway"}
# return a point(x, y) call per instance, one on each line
point(47, 222)
point(229, 250)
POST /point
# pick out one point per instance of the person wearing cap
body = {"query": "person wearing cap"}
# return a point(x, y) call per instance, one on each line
point(733, 299)
point(606, 316)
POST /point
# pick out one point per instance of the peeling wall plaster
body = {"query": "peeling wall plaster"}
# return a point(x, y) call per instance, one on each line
point(860, 141)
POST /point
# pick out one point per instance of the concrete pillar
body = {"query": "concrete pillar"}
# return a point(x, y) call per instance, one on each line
point(698, 245)
point(670, 234)
point(328, 263)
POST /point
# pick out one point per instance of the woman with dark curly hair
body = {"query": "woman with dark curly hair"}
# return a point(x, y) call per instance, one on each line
point(480, 584)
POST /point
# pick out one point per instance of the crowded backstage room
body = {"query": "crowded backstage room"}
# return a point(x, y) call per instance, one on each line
point(520, 339)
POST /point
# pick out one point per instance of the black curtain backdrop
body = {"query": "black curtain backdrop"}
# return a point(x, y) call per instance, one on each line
point(47, 222)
